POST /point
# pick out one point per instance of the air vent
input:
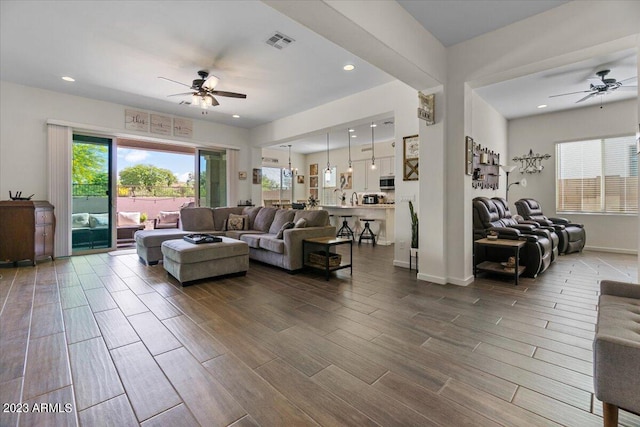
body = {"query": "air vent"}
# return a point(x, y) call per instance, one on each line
point(279, 40)
point(270, 160)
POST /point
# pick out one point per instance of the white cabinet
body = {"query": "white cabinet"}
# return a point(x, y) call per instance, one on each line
point(386, 166)
point(359, 176)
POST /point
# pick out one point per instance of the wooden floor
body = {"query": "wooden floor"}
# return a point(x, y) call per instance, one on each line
point(104, 340)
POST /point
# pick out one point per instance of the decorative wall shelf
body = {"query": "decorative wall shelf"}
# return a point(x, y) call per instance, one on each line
point(486, 168)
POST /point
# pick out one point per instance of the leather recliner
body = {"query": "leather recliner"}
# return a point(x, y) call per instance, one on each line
point(572, 236)
point(537, 252)
point(509, 220)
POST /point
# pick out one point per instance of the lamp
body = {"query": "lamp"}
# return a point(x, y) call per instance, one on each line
point(373, 156)
point(327, 172)
point(349, 140)
point(508, 170)
point(531, 163)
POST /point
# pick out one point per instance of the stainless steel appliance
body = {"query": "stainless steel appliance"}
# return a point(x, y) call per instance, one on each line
point(370, 199)
point(387, 182)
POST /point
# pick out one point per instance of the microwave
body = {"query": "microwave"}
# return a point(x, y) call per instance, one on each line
point(387, 182)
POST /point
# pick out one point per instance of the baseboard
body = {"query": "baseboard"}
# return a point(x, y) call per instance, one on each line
point(403, 264)
point(461, 282)
point(433, 279)
point(611, 250)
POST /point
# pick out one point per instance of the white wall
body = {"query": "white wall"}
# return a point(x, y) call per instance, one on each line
point(542, 132)
point(25, 110)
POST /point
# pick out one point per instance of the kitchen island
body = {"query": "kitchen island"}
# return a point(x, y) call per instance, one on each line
point(384, 214)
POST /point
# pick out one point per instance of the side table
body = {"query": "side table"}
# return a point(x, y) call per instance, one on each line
point(326, 243)
point(496, 267)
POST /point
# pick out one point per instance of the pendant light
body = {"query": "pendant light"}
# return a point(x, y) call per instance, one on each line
point(373, 156)
point(292, 171)
point(327, 172)
point(349, 139)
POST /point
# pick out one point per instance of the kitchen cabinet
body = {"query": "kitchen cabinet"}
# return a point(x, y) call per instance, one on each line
point(386, 166)
point(26, 230)
point(366, 179)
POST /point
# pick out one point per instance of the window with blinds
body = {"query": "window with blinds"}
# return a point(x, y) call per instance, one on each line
point(597, 176)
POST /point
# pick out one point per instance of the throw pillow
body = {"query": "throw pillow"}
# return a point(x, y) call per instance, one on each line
point(98, 220)
point(128, 218)
point(244, 217)
point(285, 226)
point(235, 223)
point(301, 223)
point(79, 220)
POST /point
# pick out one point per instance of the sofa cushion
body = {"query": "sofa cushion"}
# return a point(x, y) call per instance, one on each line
point(251, 211)
point(314, 218)
point(197, 219)
point(79, 220)
point(99, 220)
point(281, 217)
point(272, 244)
point(285, 226)
point(221, 214)
point(128, 218)
point(300, 223)
point(253, 240)
point(237, 234)
point(619, 317)
point(264, 219)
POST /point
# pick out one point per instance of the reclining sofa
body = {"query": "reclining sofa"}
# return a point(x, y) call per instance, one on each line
point(538, 251)
point(572, 236)
point(274, 236)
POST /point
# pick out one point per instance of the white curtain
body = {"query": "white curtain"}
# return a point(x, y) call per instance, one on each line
point(232, 177)
point(59, 146)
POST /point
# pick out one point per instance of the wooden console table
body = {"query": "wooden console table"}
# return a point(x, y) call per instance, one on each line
point(496, 267)
point(326, 243)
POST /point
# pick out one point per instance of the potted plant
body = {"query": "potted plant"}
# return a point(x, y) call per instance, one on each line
point(414, 226)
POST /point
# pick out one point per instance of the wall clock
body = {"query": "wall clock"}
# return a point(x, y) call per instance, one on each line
point(410, 157)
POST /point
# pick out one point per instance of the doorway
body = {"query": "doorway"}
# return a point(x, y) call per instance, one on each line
point(212, 176)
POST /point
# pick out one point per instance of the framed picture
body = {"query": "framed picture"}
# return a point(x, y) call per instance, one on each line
point(183, 127)
point(314, 193)
point(313, 181)
point(468, 157)
point(410, 157)
point(313, 169)
point(426, 111)
point(242, 175)
point(346, 180)
point(257, 176)
point(300, 179)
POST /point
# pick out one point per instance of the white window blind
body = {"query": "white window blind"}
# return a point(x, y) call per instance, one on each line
point(597, 176)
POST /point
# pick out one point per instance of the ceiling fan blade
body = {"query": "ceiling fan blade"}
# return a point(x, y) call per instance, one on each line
point(174, 81)
point(570, 93)
point(629, 79)
point(215, 101)
point(181, 94)
point(628, 88)
point(229, 94)
point(586, 97)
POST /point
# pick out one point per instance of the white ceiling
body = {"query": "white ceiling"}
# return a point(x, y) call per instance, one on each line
point(117, 49)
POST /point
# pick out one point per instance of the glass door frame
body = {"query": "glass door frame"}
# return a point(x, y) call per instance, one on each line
point(111, 191)
point(199, 153)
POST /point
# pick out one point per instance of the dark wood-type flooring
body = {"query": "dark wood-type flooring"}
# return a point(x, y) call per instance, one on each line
point(121, 344)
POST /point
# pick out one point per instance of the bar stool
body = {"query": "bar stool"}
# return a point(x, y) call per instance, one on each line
point(367, 233)
point(345, 230)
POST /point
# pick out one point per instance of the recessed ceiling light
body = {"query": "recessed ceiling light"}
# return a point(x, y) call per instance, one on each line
point(235, 116)
point(542, 106)
point(373, 125)
point(349, 67)
point(68, 79)
point(354, 136)
point(352, 130)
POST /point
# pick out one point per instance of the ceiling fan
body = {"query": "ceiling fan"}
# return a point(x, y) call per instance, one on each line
point(203, 90)
point(600, 85)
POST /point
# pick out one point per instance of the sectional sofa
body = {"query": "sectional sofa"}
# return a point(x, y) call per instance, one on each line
point(274, 236)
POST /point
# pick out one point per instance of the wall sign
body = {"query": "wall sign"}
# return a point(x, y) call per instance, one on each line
point(136, 120)
point(182, 127)
point(160, 124)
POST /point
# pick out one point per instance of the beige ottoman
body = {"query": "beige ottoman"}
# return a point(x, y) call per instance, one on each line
point(187, 262)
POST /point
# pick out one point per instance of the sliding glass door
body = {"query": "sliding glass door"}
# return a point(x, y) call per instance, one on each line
point(91, 196)
point(212, 175)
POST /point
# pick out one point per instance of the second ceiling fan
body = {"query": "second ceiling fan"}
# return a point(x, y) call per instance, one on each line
point(203, 90)
point(601, 85)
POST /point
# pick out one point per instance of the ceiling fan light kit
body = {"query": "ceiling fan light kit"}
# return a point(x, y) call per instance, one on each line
point(203, 91)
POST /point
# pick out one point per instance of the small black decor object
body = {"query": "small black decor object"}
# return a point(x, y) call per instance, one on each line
point(18, 196)
point(196, 239)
